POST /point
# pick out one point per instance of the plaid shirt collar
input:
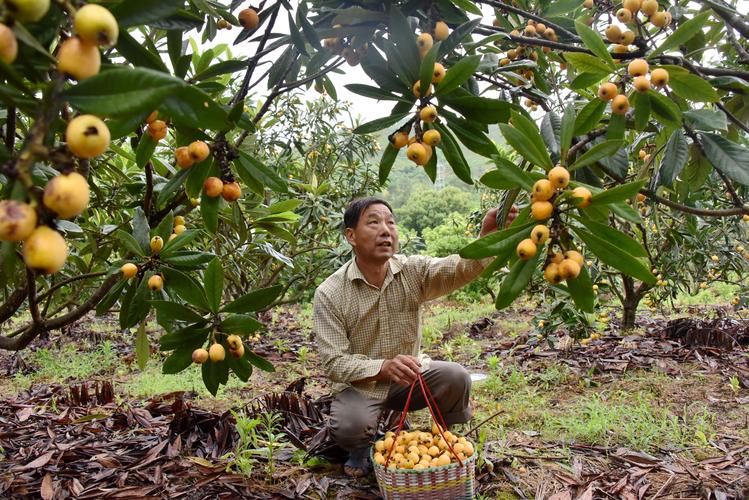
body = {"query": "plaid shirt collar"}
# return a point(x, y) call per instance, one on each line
point(353, 272)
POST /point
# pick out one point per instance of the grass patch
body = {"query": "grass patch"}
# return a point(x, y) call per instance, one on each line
point(440, 317)
point(63, 364)
point(717, 293)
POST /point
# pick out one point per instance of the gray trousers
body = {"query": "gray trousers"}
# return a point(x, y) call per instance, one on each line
point(353, 415)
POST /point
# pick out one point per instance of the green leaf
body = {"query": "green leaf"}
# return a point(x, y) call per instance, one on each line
point(373, 92)
point(240, 324)
point(614, 237)
point(140, 54)
point(617, 194)
point(176, 311)
point(259, 171)
point(665, 109)
point(615, 256)
point(426, 71)
point(430, 167)
point(641, 103)
point(589, 116)
point(581, 291)
point(567, 130)
point(550, 129)
point(513, 172)
point(221, 68)
point(241, 367)
point(171, 247)
point(468, 6)
point(380, 123)
point(692, 87)
point(144, 151)
point(142, 346)
point(191, 337)
point(209, 208)
point(141, 230)
point(213, 374)
point(261, 363)
point(456, 37)
point(516, 280)
point(674, 158)
point(214, 284)
point(405, 41)
point(529, 129)
point(110, 298)
point(585, 80)
point(706, 119)
point(560, 7)
point(254, 301)
point(480, 109)
point(453, 154)
point(296, 36)
point(386, 162)
point(457, 74)
point(585, 63)
point(523, 145)
point(603, 150)
point(131, 244)
point(682, 34)
point(730, 158)
point(495, 243)
point(177, 361)
point(192, 107)
point(122, 91)
point(186, 287)
point(138, 306)
point(470, 135)
point(171, 186)
point(594, 42)
point(188, 259)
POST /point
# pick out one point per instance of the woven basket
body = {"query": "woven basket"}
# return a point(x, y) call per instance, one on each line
point(447, 482)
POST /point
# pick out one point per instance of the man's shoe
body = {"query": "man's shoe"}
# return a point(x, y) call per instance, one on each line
point(358, 463)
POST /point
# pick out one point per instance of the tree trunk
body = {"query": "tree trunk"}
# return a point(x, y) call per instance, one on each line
point(630, 303)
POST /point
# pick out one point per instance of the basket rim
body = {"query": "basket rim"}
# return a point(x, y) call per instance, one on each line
point(468, 460)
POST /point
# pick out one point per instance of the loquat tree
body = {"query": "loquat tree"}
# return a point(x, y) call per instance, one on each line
point(130, 144)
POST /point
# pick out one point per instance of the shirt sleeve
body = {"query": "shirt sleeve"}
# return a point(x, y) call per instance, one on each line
point(339, 364)
point(442, 275)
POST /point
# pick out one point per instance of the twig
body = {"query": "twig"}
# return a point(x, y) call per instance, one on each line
point(149, 189)
point(530, 15)
point(33, 303)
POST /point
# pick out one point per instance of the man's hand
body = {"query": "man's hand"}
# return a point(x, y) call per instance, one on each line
point(489, 224)
point(402, 369)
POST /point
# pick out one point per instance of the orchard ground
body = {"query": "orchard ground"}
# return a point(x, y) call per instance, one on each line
point(637, 414)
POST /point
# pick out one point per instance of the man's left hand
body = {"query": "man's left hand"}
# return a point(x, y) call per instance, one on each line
point(489, 224)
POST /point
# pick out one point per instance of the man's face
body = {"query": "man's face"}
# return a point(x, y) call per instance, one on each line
point(374, 238)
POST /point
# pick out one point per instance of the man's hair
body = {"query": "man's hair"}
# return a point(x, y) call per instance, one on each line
point(357, 207)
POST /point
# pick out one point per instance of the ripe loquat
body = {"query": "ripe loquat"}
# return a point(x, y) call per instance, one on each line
point(543, 189)
point(439, 73)
point(157, 130)
point(551, 273)
point(541, 210)
point(417, 89)
point(581, 197)
point(249, 19)
point(559, 177)
point(424, 41)
point(428, 114)
point(17, 220)
point(96, 25)
point(399, 139)
point(569, 269)
point(45, 250)
point(199, 356)
point(27, 11)
point(87, 136)
point(182, 155)
point(217, 353)
point(624, 15)
point(8, 45)
point(213, 187)
point(78, 59)
point(179, 229)
point(620, 104)
point(129, 270)
point(641, 84)
point(67, 195)
point(539, 234)
point(628, 37)
point(231, 191)
point(157, 243)
point(659, 77)
point(431, 137)
point(649, 7)
point(417, 153)
point(199, 151)
point(632, 5)
point(613, 33)
point(441, 31)
point(155, 283)
point(576, 256)
point(526, 249)
point(607, 91)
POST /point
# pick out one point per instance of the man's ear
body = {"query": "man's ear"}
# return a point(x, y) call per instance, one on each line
point(350, 236)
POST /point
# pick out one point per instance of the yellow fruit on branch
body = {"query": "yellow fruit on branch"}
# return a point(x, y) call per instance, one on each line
point(638, 67)
point(155, 283)
point(526, 249)
point(541, 210)
point(238, 352)
point(649, 7)
point(613, 33)
point(424, 41)
point(620, 105)
point(576, 256)
point(27, 11)
point(417, 89)
point(581, 197)
point(96, 25)
point(417, 153)
point(8, 45)
point(551, 273)
point(427, 114)
point(543, 189)
point(624, 15)
point(182, 155)
point(539, 234)
point(439, 73)
point(659, 77)
point(157, 243)
point(217, 353)
point(249, 19)
point(129, 270)
point(199, 356)
point(431, 137)
point(45, 250)
point(87, 136)
point(179, 229)
point(233, 341)
point(588, 4)
point(607, 91)
point(157, 129)
point(199, 151)
point(559, 177)
point(213, 187)
point(529, 30)
point(399, 139)
point(632, 5)
point(231, 191)
point(17, 220)
point(569, 269)
point(628, 37)
point(152, 117)
point(179, 220)
point(441, 31)
point(67, 195)
point(641, 84)
point(557, 258)
point(660, 19)
point(78, 59)
point(428, 149)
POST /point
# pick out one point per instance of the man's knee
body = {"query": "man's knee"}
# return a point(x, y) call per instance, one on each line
point(455, 376)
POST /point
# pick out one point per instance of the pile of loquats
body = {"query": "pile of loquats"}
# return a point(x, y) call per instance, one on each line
point(417, 450)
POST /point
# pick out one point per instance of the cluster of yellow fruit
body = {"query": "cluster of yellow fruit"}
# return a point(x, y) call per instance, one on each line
point(593, 336)
point(638, 70)
point(214, 187)
point(345, 48)
point(179, 227)
point(79, 55)
point(545, 192)
point(156, 128)
point(66, 195)
point(195, 152)
point(420, 449)
point(217, 353)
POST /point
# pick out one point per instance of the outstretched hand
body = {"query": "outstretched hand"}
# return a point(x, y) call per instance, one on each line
point(489, 223)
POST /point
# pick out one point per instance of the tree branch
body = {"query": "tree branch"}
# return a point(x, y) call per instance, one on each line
point(13, 302)
point(33, 303)
point(69, 281)
point(530, 15)
point(149, 189)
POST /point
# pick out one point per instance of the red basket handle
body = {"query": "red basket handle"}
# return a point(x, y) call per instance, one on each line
point(432, 405)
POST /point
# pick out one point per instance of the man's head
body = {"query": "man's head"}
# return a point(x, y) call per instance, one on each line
point(370, 229)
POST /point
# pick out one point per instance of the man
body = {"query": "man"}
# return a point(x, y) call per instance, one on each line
point(367, 322)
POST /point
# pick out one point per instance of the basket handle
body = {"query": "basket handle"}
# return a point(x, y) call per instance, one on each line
point(432, 405)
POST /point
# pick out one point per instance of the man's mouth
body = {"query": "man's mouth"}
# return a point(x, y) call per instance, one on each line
point(388, 244)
